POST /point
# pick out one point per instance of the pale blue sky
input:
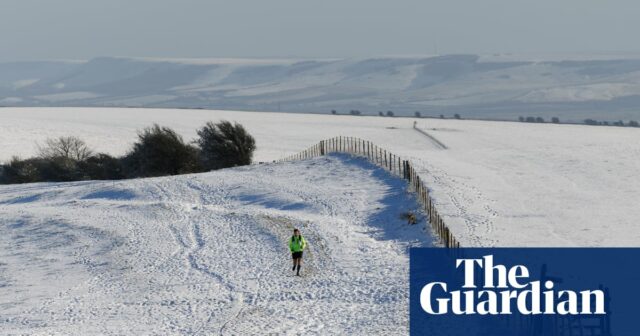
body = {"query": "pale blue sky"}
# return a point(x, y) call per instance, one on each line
point(81, 29)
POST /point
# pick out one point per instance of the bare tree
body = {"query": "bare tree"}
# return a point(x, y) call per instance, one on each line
point(65, 147)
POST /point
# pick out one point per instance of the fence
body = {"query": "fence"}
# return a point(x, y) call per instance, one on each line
point(392, 163)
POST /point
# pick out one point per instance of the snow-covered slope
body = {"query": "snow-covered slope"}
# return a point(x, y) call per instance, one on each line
point(605, 88)
point(496, 183)
point(207, 254)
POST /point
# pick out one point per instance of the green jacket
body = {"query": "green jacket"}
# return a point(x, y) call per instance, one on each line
point(297, 244)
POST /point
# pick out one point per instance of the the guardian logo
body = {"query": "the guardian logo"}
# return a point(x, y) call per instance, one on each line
point(505, 291)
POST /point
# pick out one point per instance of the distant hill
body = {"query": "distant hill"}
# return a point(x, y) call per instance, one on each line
point(473, 86)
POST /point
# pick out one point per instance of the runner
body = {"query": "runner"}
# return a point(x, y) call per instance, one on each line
point(297, 244)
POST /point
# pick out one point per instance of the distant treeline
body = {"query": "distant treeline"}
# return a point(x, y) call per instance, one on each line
point(631, 123)
point(555, 120)
point(158, 151)
point(416, 114)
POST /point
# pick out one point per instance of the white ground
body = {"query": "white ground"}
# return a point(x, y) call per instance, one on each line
point(603, 87)
point(497, 183)
point(207, 254)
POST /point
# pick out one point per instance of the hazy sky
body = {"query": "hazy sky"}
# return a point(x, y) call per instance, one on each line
point(81, 29)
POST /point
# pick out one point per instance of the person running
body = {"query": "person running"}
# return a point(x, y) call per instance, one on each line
point(297, 244)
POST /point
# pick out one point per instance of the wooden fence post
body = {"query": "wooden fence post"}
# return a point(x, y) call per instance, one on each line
point(369, 150)
point(385, 160)
point(391, 162)
point(352, 145)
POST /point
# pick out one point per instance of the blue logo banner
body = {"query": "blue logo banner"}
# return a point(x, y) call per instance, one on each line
point(525, 291)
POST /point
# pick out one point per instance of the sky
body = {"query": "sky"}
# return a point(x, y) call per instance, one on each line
point(83, 29)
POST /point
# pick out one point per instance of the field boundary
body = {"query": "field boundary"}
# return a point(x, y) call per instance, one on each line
point(394, 164)
point(436, 142)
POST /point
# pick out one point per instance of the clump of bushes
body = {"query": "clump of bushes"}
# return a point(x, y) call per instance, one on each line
point(224, 145)
point(21, 171)
point(103, 167)
point(59, 159)
point(158, 151)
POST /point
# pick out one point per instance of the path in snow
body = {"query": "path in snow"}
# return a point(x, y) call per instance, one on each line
point(207, 254)
point(497, 184)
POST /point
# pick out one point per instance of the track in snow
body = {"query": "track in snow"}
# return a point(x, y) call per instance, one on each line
point(207, 254)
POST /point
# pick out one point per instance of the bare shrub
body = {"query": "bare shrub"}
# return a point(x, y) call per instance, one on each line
point(68, 147)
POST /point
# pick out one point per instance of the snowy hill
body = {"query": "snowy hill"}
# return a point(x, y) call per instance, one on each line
point(207, 254)
point(474, 86)
point(495, 184)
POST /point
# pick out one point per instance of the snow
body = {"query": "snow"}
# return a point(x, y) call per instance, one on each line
point(604, 87)
point(24, 83)
point(58, 97)
point(495, 184)
point(582, 93)
point(207, 253)
point(516, 184)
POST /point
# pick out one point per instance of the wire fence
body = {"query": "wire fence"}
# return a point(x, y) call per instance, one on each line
point(394, 164)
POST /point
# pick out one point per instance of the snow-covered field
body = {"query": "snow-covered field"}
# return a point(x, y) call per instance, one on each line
point(207, 254)
point(496, 184)
point(603, 87)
